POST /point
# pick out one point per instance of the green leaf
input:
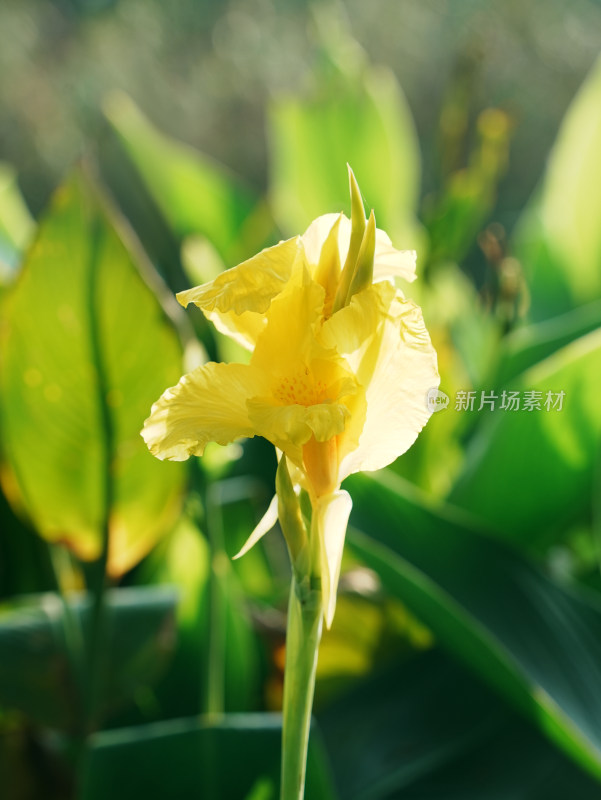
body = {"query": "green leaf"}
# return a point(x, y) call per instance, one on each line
point(87, 348)
point(528, 639)
point(195, 194)
point(529, 474)
point(526, 346)
point(427, 728)
point(230, 757)
point(40, 646)
point(355, 113)
point(559, 238)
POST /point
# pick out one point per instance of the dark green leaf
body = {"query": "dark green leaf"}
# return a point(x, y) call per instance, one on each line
point(526, 346)
point(429, 729)
point(235, 757)
point(41, 651)
point(533, 642)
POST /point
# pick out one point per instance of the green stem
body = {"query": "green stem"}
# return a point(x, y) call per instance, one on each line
point(303, 634)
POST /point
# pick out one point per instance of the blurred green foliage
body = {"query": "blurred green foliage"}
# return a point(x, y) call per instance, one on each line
point(464, 657)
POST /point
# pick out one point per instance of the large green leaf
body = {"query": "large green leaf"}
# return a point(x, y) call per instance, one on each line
point(42, 646)
point(526, 346)
point(236, 756)
point(533, 642)
point(559, 238)
point(195, 194)
point(529, 474)
point(355, 113)
point(86, 349)
point(429, 729)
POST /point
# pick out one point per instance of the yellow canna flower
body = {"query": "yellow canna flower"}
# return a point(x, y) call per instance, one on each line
point(341, 364)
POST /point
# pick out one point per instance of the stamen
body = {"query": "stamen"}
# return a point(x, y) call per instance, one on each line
point(300, 389)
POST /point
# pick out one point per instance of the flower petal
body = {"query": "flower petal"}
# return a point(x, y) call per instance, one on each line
point(237, 300)
point(244, 328)
point(384, 339)
point(316, 234)
point(207, 405)
point(289, 427)
point(389, 263)
point(398, 369)
point(330, 518)
point(350, 331)
point(265, 524)
point(288, 341)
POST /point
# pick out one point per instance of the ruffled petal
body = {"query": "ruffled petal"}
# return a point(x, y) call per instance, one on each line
point(244, 328)
point(390, 263)
point(289, 427)
point(350, 331)
point(265, 524)
point(384, 339)
point(236, 301)
point(207, 405)
point(330, 520)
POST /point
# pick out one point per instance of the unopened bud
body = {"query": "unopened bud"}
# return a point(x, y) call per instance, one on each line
point(364, 269)
point(289, 513)
point(357, 231)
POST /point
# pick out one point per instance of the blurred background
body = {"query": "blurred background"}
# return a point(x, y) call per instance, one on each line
point(144, 148)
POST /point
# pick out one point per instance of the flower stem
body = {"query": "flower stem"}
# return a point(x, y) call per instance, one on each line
point(303, 634)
